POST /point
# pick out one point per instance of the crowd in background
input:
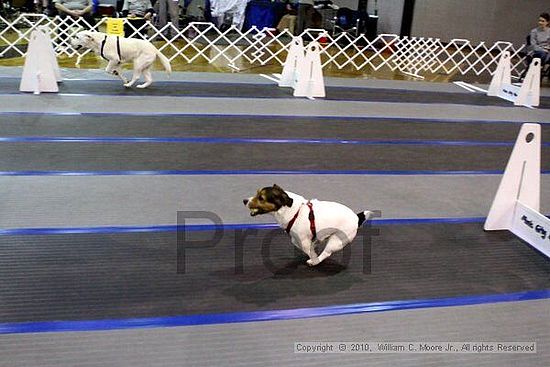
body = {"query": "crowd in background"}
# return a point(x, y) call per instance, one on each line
point(295, 16)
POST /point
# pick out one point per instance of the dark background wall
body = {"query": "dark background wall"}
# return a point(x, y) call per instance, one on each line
point(475, 20)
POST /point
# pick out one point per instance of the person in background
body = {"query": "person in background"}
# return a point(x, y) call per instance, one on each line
point(305, 10)
point(539, 45)
point(44, 7)
point(165, 9)
point(137, 12)
point(288, 21)
point(540, 39)
point(79, 10)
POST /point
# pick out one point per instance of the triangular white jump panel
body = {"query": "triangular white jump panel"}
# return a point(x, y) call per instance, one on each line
point(294, 58)
point(310, 74)
point(521, 180)
point(41, 71)
point(502, 75)
point(528, 94)
point(52, 55)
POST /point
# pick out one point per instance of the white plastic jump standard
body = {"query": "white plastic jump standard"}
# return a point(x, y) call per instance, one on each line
point(517, 201)
point(528, 94)
point(294, 58)
point(310, 81)
point(41, 70)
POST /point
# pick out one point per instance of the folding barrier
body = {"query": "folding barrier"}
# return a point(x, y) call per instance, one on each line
point(199, 42)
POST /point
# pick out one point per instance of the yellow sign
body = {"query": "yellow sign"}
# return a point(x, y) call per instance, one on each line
point(115, 26)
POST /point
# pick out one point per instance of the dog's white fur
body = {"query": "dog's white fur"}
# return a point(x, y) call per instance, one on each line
point(335, 223)
point(143, 53)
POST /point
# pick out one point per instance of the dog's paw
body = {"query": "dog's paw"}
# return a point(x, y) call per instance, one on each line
point(141, 86)
point(311, 262)
point(128, 85)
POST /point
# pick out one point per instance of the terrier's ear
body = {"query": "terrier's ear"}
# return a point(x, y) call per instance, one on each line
point(275, 186)
point(287, 201)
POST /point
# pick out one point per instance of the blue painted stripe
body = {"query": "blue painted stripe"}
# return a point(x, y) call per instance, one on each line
point(211, 227)
point(217, 140)
point(249, 172)
point(275, 315)
point(130, 229)
point(266, 117)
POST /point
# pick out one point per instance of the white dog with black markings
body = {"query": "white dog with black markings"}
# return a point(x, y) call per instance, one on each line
point(118, 50)
point(308, 222)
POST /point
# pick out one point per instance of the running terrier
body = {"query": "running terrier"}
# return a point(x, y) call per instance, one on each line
point(308, 222)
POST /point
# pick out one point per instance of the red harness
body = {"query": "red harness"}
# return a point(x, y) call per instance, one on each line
point(311, 221)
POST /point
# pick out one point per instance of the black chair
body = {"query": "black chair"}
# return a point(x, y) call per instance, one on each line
point(350, 21)
point(106, 8)
point(24, 6)
point(346, 21)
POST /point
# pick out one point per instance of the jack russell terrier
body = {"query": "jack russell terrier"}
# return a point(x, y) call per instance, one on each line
point(308, 222)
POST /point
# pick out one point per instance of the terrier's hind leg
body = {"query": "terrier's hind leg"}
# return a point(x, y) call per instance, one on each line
point(335, 243)
point(148, 78)
point(135, 78)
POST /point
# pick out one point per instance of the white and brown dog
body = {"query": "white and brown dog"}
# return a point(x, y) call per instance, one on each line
point(118, 50)
point(308, 222)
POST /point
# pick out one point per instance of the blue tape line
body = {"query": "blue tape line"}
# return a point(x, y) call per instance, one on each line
point(129, 229)
point(249, 172)
point(211, 140)
point(239, 317)
point(211, 227)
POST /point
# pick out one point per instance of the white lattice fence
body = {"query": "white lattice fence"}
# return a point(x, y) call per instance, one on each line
point(199, 42)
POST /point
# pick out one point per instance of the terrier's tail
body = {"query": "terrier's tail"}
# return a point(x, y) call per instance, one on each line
point(363, 216)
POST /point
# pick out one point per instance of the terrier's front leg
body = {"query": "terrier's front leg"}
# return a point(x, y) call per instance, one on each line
point(115, 68)
point(118, 72)
point(309, 248)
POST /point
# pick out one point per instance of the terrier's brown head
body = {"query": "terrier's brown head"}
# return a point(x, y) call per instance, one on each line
point(268, 199)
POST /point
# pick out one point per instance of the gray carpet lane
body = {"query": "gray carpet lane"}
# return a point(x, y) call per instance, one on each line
point(95, 125)
point(247, 90)
point(203, 156)
point(100, 276)
point(78, 105)
point(240, 344)
point(142, 200)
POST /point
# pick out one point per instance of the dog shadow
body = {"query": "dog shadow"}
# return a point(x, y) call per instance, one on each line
point(298, 269)
point(292, 283)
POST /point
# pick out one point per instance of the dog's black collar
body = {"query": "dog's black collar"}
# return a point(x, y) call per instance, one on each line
point(117, 48)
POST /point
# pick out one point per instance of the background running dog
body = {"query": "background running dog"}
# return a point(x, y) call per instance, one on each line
point(308, 222)
point(118, 50)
